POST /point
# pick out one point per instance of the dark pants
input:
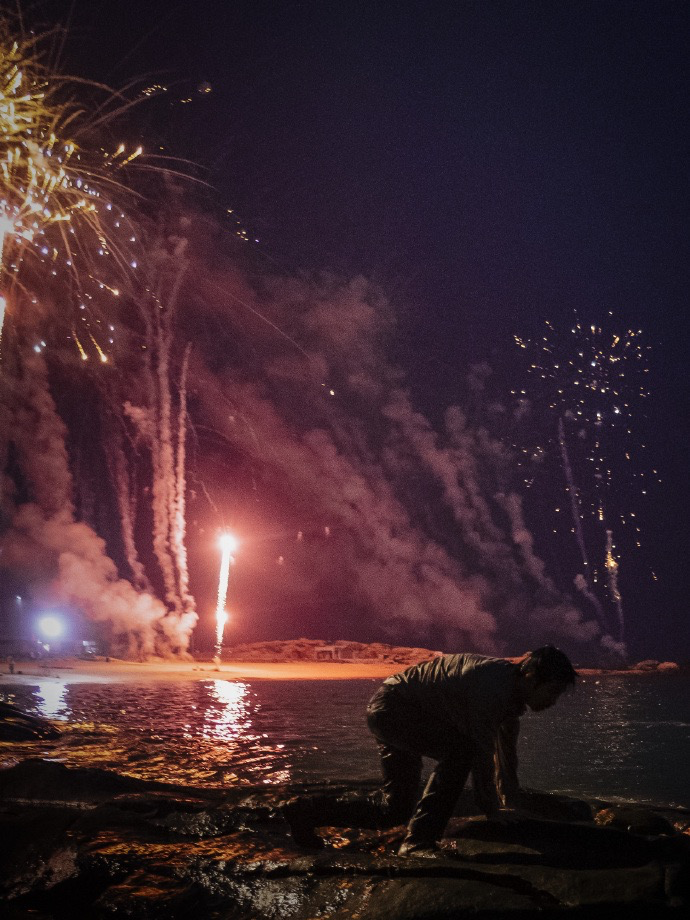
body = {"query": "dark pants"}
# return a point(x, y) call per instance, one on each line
point(405, 735)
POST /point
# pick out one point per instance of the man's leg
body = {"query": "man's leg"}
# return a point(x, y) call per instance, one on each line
point(394, 725)
point(438, 800)
point(402, 771)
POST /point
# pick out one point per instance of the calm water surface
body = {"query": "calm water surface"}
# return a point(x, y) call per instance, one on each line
point(617, 737)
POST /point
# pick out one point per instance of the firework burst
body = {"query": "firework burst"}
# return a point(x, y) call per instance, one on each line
point(589, 383)
point(63, 201)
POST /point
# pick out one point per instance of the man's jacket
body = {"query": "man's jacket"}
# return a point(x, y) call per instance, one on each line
point(479, 698)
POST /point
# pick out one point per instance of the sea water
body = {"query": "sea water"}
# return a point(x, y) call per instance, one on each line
point(614, 737)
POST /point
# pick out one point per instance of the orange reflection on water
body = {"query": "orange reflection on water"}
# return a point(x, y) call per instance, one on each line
point(227, 716)
point(228, 724)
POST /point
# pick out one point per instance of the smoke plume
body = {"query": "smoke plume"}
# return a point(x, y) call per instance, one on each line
point(358, 513)
point(431, 537)
point(60, 557)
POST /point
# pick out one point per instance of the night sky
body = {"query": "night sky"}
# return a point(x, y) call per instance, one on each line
point(491, 165)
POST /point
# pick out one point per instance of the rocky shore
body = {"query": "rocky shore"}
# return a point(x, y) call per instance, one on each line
point(85, 842)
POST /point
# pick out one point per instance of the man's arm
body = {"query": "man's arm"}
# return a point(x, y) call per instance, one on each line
point(486, 696)
point(506, 761)
point(484, 741)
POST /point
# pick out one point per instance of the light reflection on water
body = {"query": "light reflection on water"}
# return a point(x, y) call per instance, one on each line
point(615, 737)
point(211, 732)
point(51, 699)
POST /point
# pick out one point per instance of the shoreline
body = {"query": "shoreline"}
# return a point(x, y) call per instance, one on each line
point(75, 670)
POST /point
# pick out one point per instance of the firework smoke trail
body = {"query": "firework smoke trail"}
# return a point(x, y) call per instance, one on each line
point(45, 536)
point(126, 503)
point(574, 499)
point(172, 466)
point(153, 425)
point(162, 424)
point(583, 582)
point(227, 544)
point(169, 484)
point(179, 529)
point(164, 484)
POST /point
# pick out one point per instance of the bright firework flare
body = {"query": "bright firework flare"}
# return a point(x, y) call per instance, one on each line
point(228, 545)
point(59, 201)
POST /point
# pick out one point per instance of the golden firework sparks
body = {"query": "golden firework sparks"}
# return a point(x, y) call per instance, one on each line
point(62, 198)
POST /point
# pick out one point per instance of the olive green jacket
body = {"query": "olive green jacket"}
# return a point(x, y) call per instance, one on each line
point(479, 697)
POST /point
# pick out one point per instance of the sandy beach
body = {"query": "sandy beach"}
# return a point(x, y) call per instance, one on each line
point(74, 670)
point(292, 659)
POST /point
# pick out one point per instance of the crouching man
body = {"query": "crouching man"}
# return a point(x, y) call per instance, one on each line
point(462, 711)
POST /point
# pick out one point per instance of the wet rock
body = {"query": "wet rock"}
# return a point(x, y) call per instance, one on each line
point(119, 847)
point(146, 897)
point(37, 851)
point(554, 807)
point(557, 845)
point(434, 898)
point(16, 725)
point(634, 819)
point(47, 781)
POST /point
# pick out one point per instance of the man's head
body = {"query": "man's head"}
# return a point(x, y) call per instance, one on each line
point(545, 673)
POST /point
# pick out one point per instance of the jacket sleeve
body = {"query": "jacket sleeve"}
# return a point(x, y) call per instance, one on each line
point(484, 739)
point(506, 760)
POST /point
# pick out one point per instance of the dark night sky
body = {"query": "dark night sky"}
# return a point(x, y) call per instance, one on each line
point(492, 164)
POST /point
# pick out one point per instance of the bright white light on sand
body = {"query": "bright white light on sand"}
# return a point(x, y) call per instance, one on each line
point(51, 627)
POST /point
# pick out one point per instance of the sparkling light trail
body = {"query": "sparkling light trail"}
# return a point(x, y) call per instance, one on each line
point(588, 382)
point(228, 545)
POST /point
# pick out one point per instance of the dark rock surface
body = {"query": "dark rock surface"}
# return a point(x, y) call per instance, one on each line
point(16, 725)
point(87, 843)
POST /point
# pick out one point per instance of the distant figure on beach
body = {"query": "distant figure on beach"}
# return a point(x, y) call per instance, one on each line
point(462, 711)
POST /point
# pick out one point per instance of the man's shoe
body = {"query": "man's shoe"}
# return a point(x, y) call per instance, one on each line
point(418, 848)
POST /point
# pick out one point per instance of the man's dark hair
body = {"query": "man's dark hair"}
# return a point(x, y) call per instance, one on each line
point(549, 663)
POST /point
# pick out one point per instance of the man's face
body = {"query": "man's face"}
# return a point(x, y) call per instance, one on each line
point(543, 696)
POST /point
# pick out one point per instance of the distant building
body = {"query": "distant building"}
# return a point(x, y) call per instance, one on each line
point(328, 653)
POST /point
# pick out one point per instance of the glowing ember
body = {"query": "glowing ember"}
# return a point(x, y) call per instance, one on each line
point(228, 544)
